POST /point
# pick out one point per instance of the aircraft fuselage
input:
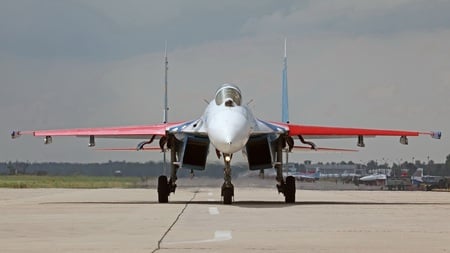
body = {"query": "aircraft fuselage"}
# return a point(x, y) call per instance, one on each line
point(227, 122)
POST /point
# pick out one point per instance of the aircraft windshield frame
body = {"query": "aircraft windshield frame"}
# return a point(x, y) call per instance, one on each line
point(227, 93)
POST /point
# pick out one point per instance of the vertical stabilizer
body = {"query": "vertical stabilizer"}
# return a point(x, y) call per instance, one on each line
point(284, 96)
point(166, 68)
point(166, 104)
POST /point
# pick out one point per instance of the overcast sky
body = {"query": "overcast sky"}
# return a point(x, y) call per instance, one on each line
point(90, 63)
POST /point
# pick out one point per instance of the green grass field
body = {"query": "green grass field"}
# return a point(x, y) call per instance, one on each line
point(28, 181)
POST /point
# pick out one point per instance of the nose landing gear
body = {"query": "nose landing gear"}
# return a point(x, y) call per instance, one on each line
point(227, 187)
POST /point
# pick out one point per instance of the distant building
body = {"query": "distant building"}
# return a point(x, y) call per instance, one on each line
point(332, 169)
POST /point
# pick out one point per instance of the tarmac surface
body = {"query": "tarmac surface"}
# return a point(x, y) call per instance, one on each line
point(131, 220)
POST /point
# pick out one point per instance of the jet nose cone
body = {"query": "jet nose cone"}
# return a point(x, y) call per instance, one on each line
point(228, 132)
point(226, 141)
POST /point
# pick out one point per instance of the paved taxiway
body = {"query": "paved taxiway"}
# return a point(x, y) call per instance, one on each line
point(130, 220)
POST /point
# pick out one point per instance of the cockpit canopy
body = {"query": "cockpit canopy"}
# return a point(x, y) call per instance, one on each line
point(228, 94)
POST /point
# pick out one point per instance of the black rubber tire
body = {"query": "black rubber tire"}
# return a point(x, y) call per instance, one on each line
point(289, 193)
point(228, 196)
point(163, 190)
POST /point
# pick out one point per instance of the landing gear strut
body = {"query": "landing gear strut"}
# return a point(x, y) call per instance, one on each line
point(286, 187)
point(227, 187)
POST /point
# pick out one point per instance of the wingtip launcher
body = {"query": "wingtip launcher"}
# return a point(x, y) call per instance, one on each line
point(15, 134)
point(433, 134)
point(436, 134)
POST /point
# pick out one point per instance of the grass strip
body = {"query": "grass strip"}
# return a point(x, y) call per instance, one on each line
point(29, 181)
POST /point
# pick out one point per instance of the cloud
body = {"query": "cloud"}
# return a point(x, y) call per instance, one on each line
point(54, 29)
point(109, 30)
point(353, 17)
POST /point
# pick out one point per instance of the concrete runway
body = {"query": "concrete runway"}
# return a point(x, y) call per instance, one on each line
point(131, 220)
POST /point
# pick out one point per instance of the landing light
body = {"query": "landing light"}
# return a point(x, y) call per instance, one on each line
point(227, 158)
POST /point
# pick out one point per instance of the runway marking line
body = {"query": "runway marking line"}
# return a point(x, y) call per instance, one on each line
point(219, 236)
point(213, 210)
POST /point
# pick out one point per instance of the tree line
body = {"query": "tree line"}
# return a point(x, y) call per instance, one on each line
point(154, 169)
point(110, 168)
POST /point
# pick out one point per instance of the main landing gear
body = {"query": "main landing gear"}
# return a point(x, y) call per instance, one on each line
point(165, 187)
point(286, 187)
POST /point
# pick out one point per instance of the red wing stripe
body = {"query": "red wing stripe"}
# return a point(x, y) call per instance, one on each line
point(145, 130)
point(342, 131)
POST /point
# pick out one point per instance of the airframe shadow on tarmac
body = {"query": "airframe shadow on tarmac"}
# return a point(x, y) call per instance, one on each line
point(250, 204)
